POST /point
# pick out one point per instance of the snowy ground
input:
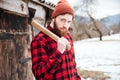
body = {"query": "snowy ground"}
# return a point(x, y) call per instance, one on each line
point(92, 54)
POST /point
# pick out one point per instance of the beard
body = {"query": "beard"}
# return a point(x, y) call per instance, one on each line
point(60, 31)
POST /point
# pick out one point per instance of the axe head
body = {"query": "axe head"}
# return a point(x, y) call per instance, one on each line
point(31, 14)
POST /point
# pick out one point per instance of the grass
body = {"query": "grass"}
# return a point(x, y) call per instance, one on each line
point(95, 75)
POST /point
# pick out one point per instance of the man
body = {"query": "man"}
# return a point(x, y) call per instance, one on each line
point(50, 59)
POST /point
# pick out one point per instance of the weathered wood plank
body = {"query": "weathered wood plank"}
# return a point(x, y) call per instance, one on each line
point(44, 4)
point(17, 7)
point(14, 45)
point(11, 51)
point(13, 23)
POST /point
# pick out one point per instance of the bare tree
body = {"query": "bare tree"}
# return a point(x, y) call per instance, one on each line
point(86, 6)
point(94, 23)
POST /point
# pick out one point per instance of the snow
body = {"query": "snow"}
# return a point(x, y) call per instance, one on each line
point(92, 54)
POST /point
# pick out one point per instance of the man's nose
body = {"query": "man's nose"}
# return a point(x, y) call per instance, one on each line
point(65, 25)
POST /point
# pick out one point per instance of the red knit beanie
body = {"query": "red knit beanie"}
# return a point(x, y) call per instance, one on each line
point(62, 7)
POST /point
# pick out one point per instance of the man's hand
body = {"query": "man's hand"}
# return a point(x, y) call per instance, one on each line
point(61, 44)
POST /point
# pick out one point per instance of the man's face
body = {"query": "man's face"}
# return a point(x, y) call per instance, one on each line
point(62, 24)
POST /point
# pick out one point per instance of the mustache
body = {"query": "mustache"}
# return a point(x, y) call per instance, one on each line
point(60, 31)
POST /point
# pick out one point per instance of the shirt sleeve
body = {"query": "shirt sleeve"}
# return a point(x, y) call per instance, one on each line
point(43, 66)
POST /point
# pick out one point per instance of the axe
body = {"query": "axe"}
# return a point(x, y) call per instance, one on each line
point(35, 24)
point(43, 29)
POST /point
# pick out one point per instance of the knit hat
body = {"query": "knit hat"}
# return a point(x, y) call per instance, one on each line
point(62, 7)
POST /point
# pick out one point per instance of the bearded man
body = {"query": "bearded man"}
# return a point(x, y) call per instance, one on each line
point(50, 59)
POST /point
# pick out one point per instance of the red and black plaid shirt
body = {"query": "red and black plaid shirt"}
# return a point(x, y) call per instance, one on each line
point(48, 63)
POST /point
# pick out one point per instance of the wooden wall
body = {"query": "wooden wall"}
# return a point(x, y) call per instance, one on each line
point(14, 47)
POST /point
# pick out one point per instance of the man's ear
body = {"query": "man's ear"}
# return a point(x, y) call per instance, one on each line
point(52, 22)
point(53, 19)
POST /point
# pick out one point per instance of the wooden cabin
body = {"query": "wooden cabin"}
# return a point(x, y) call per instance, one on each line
point(16, 35)
point(43, 12)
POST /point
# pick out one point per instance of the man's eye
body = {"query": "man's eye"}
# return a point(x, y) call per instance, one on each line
point(69, 21)
point(62, 19)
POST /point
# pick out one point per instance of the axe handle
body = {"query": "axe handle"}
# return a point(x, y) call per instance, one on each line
point(44, 30)
point(47, 32)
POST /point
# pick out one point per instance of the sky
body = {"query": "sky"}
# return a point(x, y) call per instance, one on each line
point(102, 8)
point(107, 8)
